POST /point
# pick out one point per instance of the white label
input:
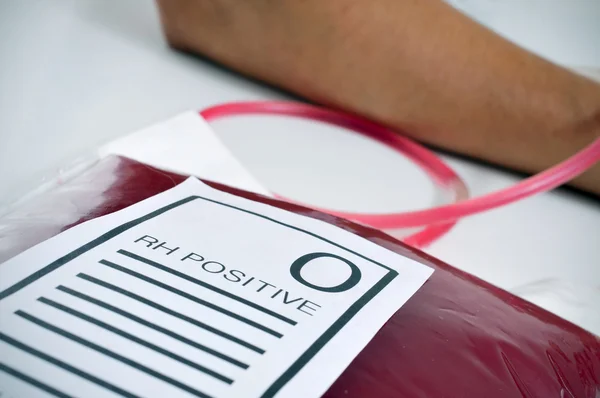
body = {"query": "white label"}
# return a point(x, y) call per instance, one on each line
point(195, 293)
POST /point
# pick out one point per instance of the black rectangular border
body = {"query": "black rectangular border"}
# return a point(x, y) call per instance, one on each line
point(305, 357)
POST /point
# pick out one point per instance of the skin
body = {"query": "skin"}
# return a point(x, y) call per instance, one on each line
point(419, 66)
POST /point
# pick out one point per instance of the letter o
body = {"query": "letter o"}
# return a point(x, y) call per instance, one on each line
point(213, 272)
point(349, 283)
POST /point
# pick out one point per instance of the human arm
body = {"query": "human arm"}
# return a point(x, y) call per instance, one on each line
point(417, 65)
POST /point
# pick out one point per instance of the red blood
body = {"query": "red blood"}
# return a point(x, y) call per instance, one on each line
point(456, 337)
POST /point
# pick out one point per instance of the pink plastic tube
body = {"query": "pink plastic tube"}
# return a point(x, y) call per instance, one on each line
point(438, 220)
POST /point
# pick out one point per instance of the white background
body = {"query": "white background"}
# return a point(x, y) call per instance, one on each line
point(76, 74)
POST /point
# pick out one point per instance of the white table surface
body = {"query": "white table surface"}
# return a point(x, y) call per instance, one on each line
point(77, 74)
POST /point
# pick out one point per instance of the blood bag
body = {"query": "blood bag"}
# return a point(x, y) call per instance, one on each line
point(457, 336)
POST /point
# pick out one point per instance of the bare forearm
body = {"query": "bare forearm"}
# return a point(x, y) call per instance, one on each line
point(416, 65)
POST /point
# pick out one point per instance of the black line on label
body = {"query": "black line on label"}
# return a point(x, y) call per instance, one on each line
point(153, 326)
point(30, 380)
point(207, 286)
point(63, 365)
point(171, 312)
point(88, 246)
point(111, 354)
point(190, 297)
point(303, 359)
point(319, 237)
point(135, 339)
